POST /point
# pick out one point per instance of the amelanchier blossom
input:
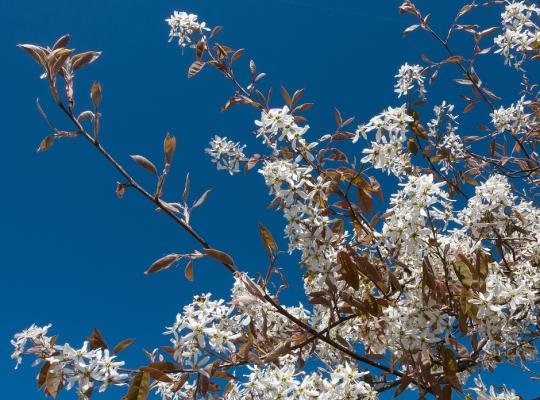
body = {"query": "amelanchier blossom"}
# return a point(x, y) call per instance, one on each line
point(423, 285)
point(226, 154)
point(520, 35)
point(408, 77)
point(183, 26)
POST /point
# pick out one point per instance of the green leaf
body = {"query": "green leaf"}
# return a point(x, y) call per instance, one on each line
point(463, 271)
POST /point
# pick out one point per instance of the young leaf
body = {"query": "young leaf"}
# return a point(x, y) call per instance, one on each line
point(268, 240)
point(95, 94)
point(140, 387)
point(145, 163)
point(120, 189)
point(96, 340)
point(220, 256)
point(42, 377)
point(47, 142)
point(365, 200)
point(162, 263)
point(169, 146)
point(53, 383)
point(122, 345)
point(463, 272)
point(195, 68)
point(82, 59)
point(237, 54)
point(185, 195)
point(39, 54)
point(188, 272)
point(61, 42)
point(157, 374)
point(202, 199)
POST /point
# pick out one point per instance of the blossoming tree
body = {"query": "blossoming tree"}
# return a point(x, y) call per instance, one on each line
point(422, 290)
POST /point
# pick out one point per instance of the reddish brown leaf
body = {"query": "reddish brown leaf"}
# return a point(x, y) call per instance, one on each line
point(123, 345)
point(162, 264)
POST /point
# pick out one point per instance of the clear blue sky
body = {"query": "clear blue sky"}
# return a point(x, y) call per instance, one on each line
point(74, 255)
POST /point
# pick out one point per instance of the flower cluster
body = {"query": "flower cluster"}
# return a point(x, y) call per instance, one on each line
point(483, 393)
point(489, 211)
point(226, 154)
point(407, 77)
point(413, 215)
point(68, 366)
point(203, 323)
point(520, 32)
point(286, 382)
point(387, 152)
point(183, 26)
point(36, 336)
point(512, 119)
point(443, 128)
point(278, 124)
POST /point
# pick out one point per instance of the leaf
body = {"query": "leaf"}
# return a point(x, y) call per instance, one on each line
point(410, 29)
point(454, 59)
point(215, 31)
point(157, 374)
point(463, 81)
point(411, 145)
point(297, 95)
point(95, 94)
point(188, 272)
point(365, 200)
point(237, 54)
point(195, 68)
point(96, 340)
point(169, 146)
point(449, 364)
point(42, 377)
point(339, 119)
point(47, 142)
point(83, 59)
point(39, 54)
point(223, 375)
point(163, 365)
point(348, 270)
point(120, 189)
point(178, 384)
point(61, 42)
point(185, 195)
point(465, 9)
point(57, 59)
point(220, 256)
point(123, 345)
point(53, 383)
point(303, 107)
point(140, 387)
point(286, 96)
point(202, 199)
point(269, 242)
point(463, 271)
point(488, 31)
point(162, 264)
point(279, 350)
point(145, 163)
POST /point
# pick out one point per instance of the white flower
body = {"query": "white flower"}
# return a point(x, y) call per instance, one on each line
point(41, 344)
point(183, 25)
point(407, 77)
point(226, 154)
point(520, 32)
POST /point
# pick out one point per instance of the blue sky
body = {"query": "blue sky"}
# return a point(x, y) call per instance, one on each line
point(72, 253)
